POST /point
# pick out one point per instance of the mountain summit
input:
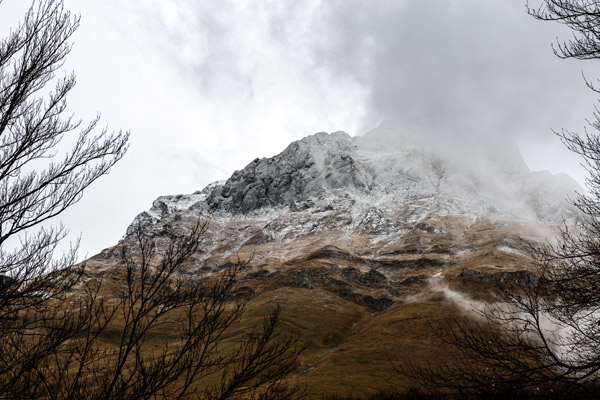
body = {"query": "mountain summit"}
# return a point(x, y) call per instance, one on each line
point(388, 169)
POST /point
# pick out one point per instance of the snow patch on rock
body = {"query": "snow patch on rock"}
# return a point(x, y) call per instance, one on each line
point(166, 205)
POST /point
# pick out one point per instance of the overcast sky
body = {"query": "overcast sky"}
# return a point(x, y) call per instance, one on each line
point(207, 86)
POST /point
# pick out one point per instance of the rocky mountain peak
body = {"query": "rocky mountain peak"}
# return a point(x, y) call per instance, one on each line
point(306, 168)
point(386, 172)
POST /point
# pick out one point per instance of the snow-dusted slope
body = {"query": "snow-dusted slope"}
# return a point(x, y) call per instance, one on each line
point(384, 172)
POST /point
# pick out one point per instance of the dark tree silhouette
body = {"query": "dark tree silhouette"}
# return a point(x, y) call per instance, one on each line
point(149, 332)
point(39, 179)
point(582, 17)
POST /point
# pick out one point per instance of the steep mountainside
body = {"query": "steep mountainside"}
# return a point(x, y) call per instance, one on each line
point(361, 240)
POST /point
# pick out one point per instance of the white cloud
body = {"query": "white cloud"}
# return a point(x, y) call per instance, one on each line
point(207, 86)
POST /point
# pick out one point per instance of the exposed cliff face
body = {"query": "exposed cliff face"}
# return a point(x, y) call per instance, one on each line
point(308, 167)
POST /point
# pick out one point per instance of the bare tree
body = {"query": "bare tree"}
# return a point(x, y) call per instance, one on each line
point(38, 182)
point(521, 344)
point(156, 333)
point(582, 17)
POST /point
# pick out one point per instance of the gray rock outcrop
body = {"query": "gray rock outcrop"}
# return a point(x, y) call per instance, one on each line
point(306, 168)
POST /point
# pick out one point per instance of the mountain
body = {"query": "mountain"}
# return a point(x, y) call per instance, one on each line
point(362, 240)
point(384, 169)
point(371, 189)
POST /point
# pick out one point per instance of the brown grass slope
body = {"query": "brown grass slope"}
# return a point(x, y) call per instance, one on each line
point(360, 303)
